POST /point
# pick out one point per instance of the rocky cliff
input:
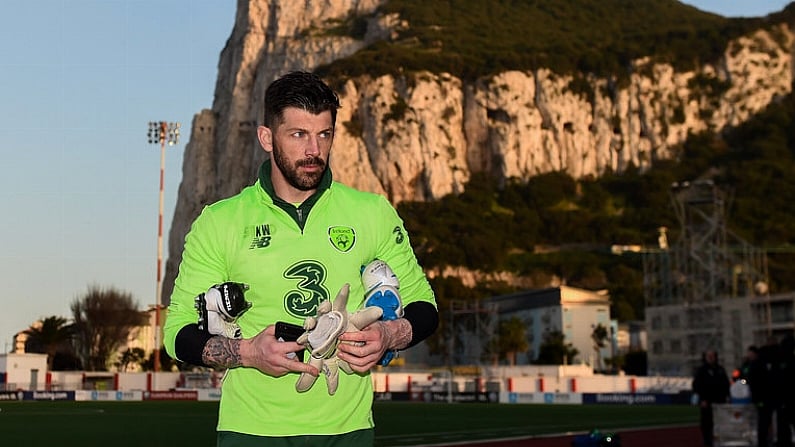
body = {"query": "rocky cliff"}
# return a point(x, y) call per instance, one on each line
point(420, 136)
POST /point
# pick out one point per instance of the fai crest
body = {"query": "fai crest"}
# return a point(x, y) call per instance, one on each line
point(342, 238)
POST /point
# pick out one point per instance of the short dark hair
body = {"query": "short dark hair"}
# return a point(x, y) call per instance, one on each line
point(299, 89)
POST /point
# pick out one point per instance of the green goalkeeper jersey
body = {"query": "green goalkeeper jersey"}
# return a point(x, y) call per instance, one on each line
point(293, 258)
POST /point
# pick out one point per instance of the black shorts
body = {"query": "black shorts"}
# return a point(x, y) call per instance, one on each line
point(358, 438)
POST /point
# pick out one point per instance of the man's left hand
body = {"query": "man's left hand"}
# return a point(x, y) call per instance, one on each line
point(364, 349)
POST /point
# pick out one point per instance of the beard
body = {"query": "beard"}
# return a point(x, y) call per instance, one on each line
point(303, 181)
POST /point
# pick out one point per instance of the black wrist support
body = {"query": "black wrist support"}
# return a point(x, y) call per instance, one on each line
point(424, 319)
point(189, 344)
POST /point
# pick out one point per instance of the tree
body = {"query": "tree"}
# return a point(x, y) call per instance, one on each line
point(511, 339)
point(133, 356)
point(555, 351)
point(599, 337)
point(52, 336)
point(103, 319)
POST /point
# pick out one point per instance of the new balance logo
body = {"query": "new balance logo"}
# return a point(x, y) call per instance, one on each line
point(262, 237)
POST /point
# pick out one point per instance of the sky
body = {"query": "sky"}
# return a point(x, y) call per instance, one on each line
point(79, 184)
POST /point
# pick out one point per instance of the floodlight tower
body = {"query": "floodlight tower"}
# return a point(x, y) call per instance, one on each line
point(707, 290)
point(163, 133)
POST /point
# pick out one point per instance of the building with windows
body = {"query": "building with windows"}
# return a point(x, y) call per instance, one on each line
point(571, 311)
point(679, 333)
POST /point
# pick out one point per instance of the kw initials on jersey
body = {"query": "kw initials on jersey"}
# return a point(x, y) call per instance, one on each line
point(262, 237)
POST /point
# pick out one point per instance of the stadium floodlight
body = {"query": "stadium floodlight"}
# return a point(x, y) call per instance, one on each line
point(165, 134)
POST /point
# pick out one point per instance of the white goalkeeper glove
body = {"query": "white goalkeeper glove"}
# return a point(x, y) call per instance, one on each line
point(220, 307)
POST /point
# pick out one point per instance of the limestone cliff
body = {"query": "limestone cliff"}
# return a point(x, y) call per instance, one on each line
point(421, 136)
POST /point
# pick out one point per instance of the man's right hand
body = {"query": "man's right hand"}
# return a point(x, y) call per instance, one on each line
point(271, 356)
point(220, 307)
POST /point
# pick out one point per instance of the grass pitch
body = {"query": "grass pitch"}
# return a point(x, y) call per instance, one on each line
point(180, 423)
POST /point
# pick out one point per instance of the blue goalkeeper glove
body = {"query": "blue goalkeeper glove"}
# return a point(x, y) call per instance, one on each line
point(381, 289)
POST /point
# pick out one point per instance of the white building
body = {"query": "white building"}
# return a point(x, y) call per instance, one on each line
point(573, 312)
point(23, 371)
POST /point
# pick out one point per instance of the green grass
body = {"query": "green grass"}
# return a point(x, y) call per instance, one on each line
point(118, 424)
point(121, 424)
point(402, 424)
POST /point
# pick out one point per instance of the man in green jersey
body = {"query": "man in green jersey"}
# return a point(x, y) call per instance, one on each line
point(295, 238)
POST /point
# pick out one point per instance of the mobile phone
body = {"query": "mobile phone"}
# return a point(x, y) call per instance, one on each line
point(290, 332)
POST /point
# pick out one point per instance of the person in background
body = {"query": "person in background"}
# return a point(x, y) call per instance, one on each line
point(786, 420)
point(740, 390)
point(744, 370)
point(711, 385)
point(767, 392)
point(290, 242)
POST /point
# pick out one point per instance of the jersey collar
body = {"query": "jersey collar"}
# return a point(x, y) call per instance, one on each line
point(300, 213)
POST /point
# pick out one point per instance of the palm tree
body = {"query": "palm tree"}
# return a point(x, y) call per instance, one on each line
point(132, 356)
point(511, 339)
point(555, 350)
point(599, 337)
point(51, 336)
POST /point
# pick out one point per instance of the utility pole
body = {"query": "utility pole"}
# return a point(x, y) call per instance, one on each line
point(163, 133)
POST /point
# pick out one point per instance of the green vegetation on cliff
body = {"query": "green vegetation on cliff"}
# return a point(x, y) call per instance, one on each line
point(473, 38)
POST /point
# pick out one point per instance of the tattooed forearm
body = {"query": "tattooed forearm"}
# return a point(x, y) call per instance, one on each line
point(401, 333)
point(222, 352)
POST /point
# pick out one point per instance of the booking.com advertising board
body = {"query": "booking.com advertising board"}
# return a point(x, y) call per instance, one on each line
point(502, 397)
point(595, 398)
point(111, 396)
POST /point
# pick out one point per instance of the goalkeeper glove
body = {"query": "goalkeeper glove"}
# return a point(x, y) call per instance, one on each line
point(381, 289)
point(220, 307)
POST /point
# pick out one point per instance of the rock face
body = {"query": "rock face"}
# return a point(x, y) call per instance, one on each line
point(515, 124)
